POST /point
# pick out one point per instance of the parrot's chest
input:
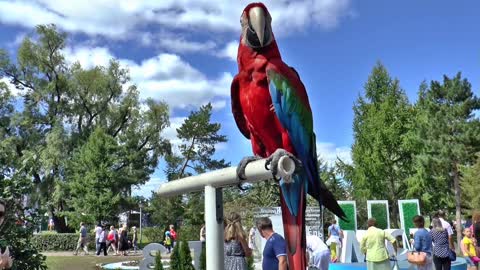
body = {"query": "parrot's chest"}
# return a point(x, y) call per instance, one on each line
point(256, 101)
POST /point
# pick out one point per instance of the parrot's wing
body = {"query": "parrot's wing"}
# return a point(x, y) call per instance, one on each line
point(292, 108)
point(237, 108)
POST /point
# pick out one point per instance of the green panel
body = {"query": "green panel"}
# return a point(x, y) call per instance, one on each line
point(349, 211)
point(379, 212)
point(409, 211)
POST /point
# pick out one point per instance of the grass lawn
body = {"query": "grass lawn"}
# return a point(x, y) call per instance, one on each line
point(83, 262)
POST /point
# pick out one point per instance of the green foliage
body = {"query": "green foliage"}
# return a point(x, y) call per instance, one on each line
point(250, 263)
point(154, 234)
point(203, 257)
point(381, 152)
point(350, 213)
point(158, 261)
point(470, 186)
point(185, 256)
point(199, 138)
point(379, 212)
point(175, 259)
point(63, 105)
point(59, 241)
point(410, 210)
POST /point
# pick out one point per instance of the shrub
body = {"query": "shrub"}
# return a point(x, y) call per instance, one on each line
point(175, 262)
point(60, 241)
point(158, 261)
point(153, 234)
point(186, 256)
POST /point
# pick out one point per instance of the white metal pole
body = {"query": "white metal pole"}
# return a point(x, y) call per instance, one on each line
point(140, 225)
point(255, 172)
point(214, 228)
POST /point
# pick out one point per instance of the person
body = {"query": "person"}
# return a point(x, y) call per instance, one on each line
point(422, 242)
point(173, 234)
point(275, 250)
point(203, 234)
point(476, 228)
point(102, 241)
point(51, 224)
point(251, 239)
point(82, 240)
point(318, 252)
point(441, 216)
point(235, 247)
point(112, 240)
point(335, 234)
point(373, 245)
point(98, 231)
point(168, 242)
point(123, 240)
point(441, 246)
point(6, 261)
point(134, 239)
point(468, 249)
point(3, 211)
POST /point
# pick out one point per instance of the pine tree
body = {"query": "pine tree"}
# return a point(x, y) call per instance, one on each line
point(175, 260)
point(381, 153)
point(186, 256)
point(449, 134)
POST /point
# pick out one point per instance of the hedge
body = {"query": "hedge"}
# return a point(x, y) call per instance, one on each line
point(62, 241)
point(379, 212)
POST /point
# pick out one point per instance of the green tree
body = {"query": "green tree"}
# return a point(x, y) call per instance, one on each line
point(92, 187)
point(381, 153)
point(19, 222)
point(199, 138)
point(186, 256)
point(158, 261)
point(449, 134)
point(175, 259)
point(63, 104)
point(470, 186)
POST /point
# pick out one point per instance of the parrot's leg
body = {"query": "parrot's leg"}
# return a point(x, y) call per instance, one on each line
point(241, 169)
point(272, 163)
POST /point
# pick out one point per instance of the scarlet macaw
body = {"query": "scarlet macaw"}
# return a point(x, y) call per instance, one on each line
point(271, 108)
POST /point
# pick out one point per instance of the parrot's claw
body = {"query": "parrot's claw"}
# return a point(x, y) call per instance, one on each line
point(241, 169)
point(272, 164)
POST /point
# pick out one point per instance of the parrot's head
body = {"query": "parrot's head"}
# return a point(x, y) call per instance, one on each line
point(256, 26)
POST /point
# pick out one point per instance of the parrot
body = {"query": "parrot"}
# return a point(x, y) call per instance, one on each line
point(271, 108)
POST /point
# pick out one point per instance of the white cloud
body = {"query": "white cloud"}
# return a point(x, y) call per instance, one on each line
point(184, 46)
point(166, 76)
point(329, 152)
point(122, 19)
point(230, 51)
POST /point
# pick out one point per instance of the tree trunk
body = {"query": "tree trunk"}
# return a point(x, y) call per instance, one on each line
point(60, 225)
point(394, 211)
point(458, 203)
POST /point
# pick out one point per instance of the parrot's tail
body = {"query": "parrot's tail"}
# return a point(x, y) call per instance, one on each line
point(294, 231)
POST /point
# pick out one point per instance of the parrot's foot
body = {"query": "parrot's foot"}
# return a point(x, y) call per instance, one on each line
point(272, 164)
point(241, 169)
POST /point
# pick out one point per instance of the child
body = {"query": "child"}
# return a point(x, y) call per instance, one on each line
point(168, 241)
point(468, 249)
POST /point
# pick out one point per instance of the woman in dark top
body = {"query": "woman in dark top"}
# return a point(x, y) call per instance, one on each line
point(123, 241)
point(441, 248)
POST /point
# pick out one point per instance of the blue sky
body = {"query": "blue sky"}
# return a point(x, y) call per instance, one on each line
point(183, 51)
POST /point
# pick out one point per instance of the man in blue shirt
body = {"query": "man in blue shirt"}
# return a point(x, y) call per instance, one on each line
point(275, 250)
point(82, 240)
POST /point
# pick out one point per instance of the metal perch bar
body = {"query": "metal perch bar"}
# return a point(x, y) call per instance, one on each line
point(255, 172)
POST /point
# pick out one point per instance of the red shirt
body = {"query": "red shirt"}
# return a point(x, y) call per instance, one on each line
point(173, 234)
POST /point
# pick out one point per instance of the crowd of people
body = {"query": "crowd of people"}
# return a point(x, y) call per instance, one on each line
point(108, 239)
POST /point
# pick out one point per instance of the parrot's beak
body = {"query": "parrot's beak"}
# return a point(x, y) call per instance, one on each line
point(257, 21)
